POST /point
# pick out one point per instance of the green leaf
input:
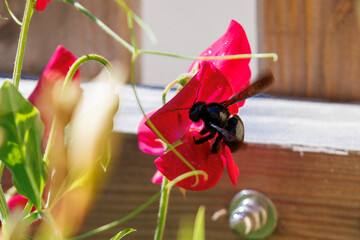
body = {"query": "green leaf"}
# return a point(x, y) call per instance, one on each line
point(199, 226)
point(22, 131)
point(122, 234)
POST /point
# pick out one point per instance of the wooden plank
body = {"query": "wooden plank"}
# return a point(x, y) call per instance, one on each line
point(316, 194)
point(62, 24)
point(317, 46)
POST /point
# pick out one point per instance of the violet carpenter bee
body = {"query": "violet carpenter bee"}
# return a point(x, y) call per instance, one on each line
point(218, 121)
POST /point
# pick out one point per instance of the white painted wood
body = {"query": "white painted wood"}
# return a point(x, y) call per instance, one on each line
point(301, 125)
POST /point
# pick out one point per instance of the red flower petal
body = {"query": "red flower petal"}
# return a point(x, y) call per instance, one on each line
point(18, 202)
point(215, 87)
point(172, 120)
point(56, 70)
point(231, 167)
point(157, 178)
point(198, 156)
point(234, 41)
point(41, 4)
point(148, 141)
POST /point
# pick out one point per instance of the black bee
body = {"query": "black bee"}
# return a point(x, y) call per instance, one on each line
point(217, 118)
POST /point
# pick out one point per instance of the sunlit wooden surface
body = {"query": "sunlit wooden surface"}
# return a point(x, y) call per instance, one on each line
point(317, 44)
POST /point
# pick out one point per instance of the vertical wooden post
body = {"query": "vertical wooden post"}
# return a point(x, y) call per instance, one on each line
point(318, 47)
point(61, 24)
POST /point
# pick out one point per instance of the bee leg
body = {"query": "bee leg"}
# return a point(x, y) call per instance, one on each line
point(204, 139)
point(203, 131)
point(216, 145)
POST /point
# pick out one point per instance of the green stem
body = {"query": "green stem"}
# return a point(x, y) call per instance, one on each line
point(141, 208)
point(4, 209)
point(69, 76)
point(163, 206)
point(50, 141)
point(167, 89)
point(228, 57)
point(120, 221)
point(164, 200)
point(32, 217)
point(12, 14)
point(138, 20)
point(27, 208)
point(102, 25)
point(132, 31)
point(2, 165)
point(47, 217)
point(29, 9)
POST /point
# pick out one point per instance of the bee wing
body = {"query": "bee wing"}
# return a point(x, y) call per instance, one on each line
point(253, 89)
point(225, 133)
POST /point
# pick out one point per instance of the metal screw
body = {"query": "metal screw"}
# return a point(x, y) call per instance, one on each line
point(252, 215)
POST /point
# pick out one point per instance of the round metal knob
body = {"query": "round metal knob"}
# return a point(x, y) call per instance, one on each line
point(252, 215)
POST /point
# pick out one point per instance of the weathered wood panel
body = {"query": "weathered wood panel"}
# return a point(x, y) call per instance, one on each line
point(317, 194)
point(61, 24)
point(318, 47)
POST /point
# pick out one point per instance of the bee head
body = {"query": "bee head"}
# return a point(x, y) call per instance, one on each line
point(196, 111)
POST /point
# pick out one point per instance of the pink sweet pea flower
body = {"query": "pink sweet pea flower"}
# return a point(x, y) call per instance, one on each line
point(41, 4)
point(148, 141)
point(199, 156)
point(215, 81)
point(208, 85)
point(17, 203)
point(55, 71)
point(233, 42)
point(157, 178)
